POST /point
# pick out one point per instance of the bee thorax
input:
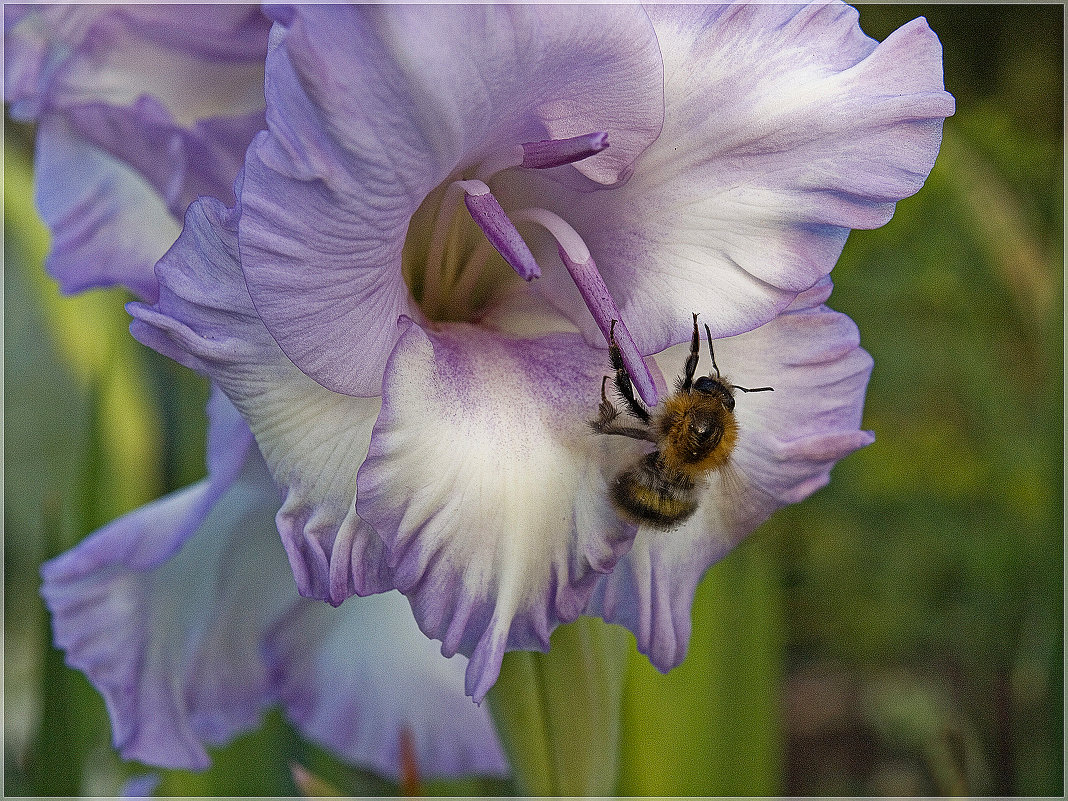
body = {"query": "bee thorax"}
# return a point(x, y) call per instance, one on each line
point(696, 433)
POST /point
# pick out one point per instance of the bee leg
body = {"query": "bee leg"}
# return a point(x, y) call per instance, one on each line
point(711, 353)
point(623, 384)
point(606, 420)
point(691, 360)
point(608, 412)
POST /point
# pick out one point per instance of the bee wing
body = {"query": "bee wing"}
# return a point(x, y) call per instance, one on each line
point(739, 503)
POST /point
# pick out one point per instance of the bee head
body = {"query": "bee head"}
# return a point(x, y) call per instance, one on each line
point(714, 387)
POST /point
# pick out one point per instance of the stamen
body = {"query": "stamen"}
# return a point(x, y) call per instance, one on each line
point(470, 273)
point(543, 154)
point(557, 152)
point(579, 263)
point(435, 262)
point(499, 230)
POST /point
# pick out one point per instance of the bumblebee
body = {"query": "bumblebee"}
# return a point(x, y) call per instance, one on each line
point(694, 430)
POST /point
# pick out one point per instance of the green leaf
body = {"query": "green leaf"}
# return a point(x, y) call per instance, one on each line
point(558, 713)
point(82, 449)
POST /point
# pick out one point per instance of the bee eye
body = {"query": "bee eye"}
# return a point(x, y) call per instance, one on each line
point(707, 385)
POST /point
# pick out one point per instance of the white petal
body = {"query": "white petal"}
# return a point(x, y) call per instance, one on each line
point(313, 439)
point(355, 678)
point(484, 480)
point(785, 127)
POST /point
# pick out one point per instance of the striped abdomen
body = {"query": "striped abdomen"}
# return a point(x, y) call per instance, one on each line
point(653, 494)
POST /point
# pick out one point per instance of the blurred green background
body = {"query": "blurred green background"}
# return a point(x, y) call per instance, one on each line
point(899, 633)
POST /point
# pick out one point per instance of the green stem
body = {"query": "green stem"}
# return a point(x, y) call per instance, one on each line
point(558, 713)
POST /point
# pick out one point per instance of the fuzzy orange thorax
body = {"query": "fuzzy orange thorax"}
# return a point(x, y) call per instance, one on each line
point(697, 433)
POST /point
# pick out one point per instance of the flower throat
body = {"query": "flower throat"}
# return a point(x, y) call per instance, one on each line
point(452, 268)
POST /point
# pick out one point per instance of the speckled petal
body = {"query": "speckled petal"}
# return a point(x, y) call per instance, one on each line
point(484, 480)
point(371, 107)
point(785, 127)
point(788, 442)
point(313, 439)
point(356, 678)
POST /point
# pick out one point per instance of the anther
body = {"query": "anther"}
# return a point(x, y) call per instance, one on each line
point(557, 152)
point(543, 154)
point(499, 230)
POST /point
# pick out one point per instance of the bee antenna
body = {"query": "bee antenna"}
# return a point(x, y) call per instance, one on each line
point(756, 389)
point(711, 353)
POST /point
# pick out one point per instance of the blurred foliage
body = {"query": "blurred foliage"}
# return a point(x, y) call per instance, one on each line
point(899, 633)
point(923, 587)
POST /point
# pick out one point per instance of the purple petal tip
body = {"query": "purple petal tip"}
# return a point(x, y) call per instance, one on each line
point(604, 310)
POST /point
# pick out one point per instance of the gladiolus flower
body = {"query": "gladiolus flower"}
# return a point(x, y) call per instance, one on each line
point(423, 402)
